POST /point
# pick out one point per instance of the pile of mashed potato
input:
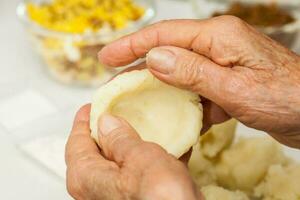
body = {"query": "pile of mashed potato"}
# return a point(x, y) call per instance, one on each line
point(252, 168)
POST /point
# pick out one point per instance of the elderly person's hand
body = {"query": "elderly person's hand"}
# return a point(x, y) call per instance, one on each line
point(250, 76)
point(125, 168)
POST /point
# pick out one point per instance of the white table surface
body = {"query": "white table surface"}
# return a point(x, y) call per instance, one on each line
point(21, 74)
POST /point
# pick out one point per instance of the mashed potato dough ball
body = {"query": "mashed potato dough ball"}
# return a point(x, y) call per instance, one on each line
point(244, 165)
point(219, 193)
point(160, 113)
point(201, 169)
point(203, 158)
point(218, 138)
point(281, 183)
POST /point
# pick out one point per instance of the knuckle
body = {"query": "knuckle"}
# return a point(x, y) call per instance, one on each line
point(152, 149)
point(79, 157)
point(232, 87)
point(191, 72)
point(232, 91)
point(117, 142)
point(148, 149)
point(116, 137)
point(232, 24)
point(85, 160)
point(232, 20)
point(78, 168)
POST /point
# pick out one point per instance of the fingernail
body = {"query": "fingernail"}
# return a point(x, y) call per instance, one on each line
point(108, 123)
point(161, 60)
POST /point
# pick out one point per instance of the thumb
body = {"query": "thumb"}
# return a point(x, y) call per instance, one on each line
point(186, 69)
point(120, 143)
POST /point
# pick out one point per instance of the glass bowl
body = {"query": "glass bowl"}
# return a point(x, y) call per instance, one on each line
point(72, 58)
point(285, 34)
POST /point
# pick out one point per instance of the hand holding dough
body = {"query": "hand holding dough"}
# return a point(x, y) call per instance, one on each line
point(160, 113)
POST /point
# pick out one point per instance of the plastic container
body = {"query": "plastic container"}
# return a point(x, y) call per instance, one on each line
point(285, 34)
point(72, 58)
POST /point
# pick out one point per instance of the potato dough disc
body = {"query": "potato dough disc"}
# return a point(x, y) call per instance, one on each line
point(160, 113)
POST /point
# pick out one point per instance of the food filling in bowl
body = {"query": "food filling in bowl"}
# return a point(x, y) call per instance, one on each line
point(77, 16)
point(69, 34)
point(262, 15)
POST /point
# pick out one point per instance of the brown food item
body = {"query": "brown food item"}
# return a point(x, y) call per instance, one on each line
point(91, 50)
point(88, 66)
point(263, 15)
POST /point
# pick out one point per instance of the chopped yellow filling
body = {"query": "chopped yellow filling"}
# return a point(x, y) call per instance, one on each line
point(79, 16)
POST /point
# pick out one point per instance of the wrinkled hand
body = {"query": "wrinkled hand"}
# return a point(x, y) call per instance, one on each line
point(250, 76)
point(125, 168)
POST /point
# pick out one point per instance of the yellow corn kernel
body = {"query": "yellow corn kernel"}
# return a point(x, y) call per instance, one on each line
point(79, 16)
point(52, 43)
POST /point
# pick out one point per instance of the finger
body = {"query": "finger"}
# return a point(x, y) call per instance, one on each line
point(80, 145)
point(211, 38)
point(85, 165)
point(188, 70)
point(212, 114)
point(121, 143)
point(136, 45)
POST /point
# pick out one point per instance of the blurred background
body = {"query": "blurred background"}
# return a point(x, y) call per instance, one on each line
point(49, 69)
